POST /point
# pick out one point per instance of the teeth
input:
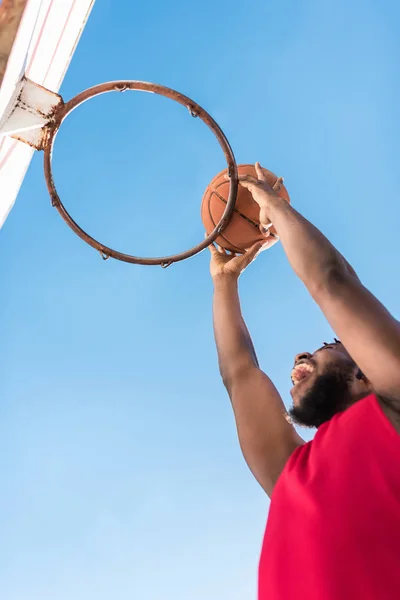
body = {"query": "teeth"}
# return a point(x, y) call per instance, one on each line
point(300, 372)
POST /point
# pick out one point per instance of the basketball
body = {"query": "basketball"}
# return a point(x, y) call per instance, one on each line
point(242, 230)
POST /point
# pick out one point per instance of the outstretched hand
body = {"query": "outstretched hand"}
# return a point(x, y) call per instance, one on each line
point(262, 192)
point(224, 263)
point(232, 265)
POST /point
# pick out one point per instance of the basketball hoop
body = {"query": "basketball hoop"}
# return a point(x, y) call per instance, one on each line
point(62, 110)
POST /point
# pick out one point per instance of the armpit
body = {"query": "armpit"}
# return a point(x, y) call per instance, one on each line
point(391, 408)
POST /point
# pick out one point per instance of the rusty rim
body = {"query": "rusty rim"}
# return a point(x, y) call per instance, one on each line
point(195, 110)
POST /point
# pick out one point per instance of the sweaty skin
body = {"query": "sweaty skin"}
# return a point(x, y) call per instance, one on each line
point(369, 353)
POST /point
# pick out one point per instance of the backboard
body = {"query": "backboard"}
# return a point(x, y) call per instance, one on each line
point(37, 40)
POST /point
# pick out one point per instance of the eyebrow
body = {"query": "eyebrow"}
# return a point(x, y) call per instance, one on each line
point(329, 345)
point(321, 348)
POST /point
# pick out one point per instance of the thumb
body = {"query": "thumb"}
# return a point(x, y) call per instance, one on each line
point(254, 251)
point(278, 184)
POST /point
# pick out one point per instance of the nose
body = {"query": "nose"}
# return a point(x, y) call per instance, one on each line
point(302, 356)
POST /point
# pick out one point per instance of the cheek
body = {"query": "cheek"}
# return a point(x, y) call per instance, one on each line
point(302, 389)
point(335, 365)
point(329, 361)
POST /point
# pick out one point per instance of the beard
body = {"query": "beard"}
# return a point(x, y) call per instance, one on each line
point(329, 395)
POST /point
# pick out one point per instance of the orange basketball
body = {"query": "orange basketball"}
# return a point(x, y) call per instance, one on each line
point(242, 230)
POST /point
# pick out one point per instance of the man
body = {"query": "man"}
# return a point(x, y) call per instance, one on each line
point(333, 530)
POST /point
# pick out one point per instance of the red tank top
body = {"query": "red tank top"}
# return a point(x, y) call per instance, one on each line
point(333, 530)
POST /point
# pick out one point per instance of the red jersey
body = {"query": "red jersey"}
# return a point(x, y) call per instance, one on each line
point(333, 530)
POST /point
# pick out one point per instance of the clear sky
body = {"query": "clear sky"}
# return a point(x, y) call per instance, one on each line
point(120, 471)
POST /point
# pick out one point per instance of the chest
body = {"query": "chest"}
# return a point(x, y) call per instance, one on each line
point(334, 520)
point(347, 480)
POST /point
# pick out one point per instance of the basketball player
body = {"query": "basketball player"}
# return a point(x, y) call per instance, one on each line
point(333, 531)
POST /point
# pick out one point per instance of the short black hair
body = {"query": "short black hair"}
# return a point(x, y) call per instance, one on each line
point(335, 341)
point(325, 344)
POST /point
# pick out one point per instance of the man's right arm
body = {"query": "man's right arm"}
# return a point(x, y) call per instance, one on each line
point(266, 438)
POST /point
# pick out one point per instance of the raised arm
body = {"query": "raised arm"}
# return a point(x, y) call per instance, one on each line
point(265, 436)
point(368, 331)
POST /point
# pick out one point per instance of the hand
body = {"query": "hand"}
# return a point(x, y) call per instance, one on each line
point(262, 193)
point(232, 265)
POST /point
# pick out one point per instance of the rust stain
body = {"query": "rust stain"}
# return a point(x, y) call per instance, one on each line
point(36, 145)
point(50, 118)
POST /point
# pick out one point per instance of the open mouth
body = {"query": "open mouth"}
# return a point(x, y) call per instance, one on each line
point(301, 372)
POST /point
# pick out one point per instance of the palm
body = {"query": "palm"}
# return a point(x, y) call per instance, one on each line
point(232, 265)
point(223, 263)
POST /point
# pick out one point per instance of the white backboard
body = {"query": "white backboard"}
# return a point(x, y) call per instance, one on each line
point(45, 41)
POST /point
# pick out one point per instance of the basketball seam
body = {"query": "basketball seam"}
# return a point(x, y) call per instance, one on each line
point(237, 211)
point(215, 224)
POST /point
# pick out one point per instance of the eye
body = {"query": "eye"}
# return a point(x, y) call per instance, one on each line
point(325, 347)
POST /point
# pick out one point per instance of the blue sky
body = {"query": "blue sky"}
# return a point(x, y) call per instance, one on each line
point(121, 475)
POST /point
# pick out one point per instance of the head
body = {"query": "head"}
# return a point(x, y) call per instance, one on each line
point(325, 383)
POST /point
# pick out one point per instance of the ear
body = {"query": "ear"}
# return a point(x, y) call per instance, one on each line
point(363, 379)
point(359, 374)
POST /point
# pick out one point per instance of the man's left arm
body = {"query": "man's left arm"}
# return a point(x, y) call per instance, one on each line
point(368, 331)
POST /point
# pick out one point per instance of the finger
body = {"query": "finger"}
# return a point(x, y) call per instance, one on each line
point(260, 173)
point(248, 179)
point(278, 184)
point(221, 250)
point(272, 240)
point(250, 185)
point(247, 185)
point(252, 252)
point(213, 249)
point(265, 228)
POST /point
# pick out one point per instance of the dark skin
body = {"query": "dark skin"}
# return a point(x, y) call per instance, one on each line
point(370, 335)
point(328, 355)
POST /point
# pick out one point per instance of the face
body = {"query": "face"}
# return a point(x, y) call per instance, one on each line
point(323, 385)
